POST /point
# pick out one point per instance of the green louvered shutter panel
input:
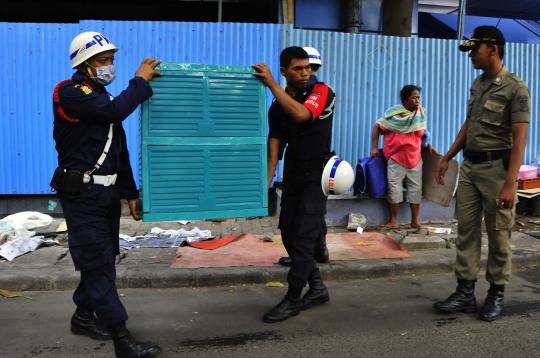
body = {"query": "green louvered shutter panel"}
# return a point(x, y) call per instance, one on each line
point(204, 144)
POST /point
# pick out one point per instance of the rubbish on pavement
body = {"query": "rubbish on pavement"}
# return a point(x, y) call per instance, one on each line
point(12, 294)
point(159, 238)
point(268, 237)
point(20, 225)
point(7, 232)
point(360, 230)
point(22, 245)
point(356, 220)
point(274, 284)
point(62, 227)
point(439, 230)
point(16, 237)
point(128, 238)
point(28, 220)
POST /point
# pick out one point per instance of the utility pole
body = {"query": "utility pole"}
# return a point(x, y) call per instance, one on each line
point(220, 11)
point(461, 19)
point(352, 13)
point(397, 17)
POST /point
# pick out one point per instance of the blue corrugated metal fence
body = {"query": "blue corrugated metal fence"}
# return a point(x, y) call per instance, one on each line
point(367, 72)
point(35, 58)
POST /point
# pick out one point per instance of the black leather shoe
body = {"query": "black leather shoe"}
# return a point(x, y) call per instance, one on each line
point(285, 261)
point(493, 304)
point(84, 323)
point(321, 250)
point(125, 346)
point(288, 307)
point(462, 300)
point(317, 293)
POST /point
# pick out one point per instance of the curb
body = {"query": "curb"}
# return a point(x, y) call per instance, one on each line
point(162, 276)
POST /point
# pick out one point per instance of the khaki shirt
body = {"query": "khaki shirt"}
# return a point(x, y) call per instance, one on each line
point(494, 105)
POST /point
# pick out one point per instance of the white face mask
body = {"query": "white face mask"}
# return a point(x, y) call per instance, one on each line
point(104, 74)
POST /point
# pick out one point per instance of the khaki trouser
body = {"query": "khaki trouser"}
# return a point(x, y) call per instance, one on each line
point(478, 193)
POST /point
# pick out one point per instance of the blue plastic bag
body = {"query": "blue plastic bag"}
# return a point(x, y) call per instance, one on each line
point(371, 177)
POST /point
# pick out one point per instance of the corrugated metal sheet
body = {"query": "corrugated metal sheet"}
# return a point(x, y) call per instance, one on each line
point(204, 144)
point(34, 57)
point(368, 71)
point(184, 42)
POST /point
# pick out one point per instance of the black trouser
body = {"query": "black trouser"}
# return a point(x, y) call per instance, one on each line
point(93, 222)
point(301, 221)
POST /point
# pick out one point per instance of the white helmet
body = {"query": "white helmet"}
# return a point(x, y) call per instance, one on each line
point(88, 44)
point(313, 55)
point(337, 177)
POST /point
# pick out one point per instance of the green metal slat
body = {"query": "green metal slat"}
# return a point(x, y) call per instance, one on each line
point(204, 144)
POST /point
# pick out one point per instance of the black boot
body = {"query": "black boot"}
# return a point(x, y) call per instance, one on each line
point(462, 300)
point(317, 293)
point(321, 250)
point(288, 307)
point(493, 304)
point(84, 322)
point(285, 261)
point(125, 346)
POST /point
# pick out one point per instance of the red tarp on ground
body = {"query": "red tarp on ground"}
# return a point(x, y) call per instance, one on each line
point(250, 250)
point(214, 244)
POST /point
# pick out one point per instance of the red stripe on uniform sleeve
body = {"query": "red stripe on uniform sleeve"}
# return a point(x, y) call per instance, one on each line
point(316, 100)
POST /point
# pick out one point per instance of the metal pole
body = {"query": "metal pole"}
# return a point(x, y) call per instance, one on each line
point(353, 16)
point(220, 10)
point(461, 19)
point(290, 12)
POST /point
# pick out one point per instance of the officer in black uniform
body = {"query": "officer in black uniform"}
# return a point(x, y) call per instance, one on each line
point(93, 174)
point(301, 118)
point(321, 249)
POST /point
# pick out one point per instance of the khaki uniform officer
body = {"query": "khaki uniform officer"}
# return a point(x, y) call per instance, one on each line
point(493, 139)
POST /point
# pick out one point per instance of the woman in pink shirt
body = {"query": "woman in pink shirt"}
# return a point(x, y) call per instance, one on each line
point(403, 127)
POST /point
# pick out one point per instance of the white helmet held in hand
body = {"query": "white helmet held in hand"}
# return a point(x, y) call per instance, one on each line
point(88, 44)
point(313, 55)
point(337, 177)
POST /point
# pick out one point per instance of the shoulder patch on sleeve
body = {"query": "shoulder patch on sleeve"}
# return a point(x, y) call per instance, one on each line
point(523, 103)
point(86, 90)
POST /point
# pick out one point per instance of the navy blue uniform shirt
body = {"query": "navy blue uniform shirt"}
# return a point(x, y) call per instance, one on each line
point(83, 112)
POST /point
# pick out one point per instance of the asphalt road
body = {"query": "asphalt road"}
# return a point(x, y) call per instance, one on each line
point(369, 318)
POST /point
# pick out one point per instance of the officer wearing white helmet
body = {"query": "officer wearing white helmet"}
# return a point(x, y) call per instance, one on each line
point(93, 174)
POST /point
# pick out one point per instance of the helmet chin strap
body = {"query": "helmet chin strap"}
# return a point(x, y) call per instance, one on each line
point(88, 69)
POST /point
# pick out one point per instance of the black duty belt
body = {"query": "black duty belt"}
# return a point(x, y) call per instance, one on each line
point(480, 157)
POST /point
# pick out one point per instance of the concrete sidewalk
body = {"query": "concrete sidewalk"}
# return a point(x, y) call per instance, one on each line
point(52, 269)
